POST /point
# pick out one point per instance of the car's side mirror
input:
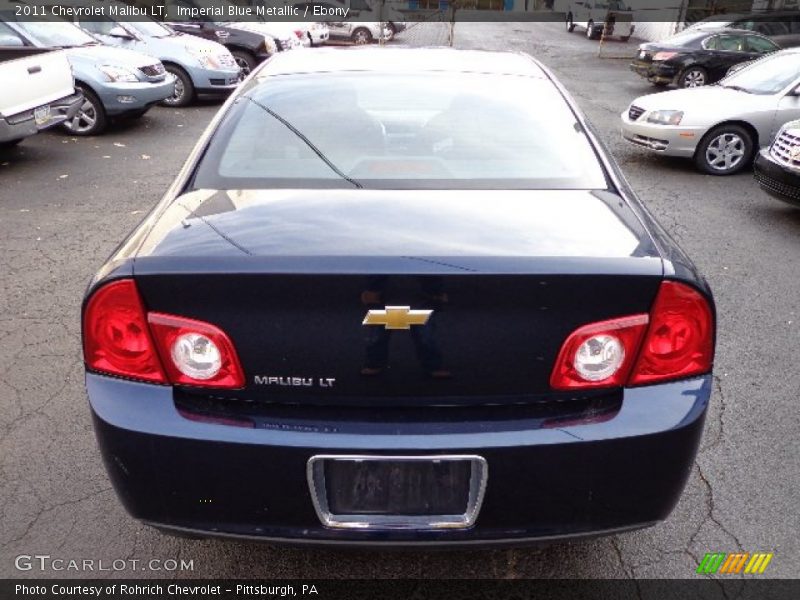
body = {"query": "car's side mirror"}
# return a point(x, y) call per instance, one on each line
point(118, 32)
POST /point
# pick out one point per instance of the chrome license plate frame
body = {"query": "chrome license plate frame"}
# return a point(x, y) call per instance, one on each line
point(479, 474)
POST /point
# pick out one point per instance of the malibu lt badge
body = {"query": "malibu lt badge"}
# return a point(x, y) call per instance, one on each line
point(323, 382)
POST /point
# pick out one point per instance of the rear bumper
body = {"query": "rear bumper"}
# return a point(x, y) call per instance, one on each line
point(656, 72)
point(544, 483)
point(17, 127)
point(777, 180)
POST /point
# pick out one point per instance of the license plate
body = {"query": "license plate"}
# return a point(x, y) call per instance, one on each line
point(41, 115)
point(397, 492)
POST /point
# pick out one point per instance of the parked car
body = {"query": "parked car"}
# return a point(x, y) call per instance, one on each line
point(199, 67)
point(699, 56)
point(381, 11)
point(283, 35)
point(113, 82)
point(777, 168)
point(720, 126)
point(781, 26)
point(593, 17)
point(358, 32)
point(38, 91)
point(309, 32)
point(298, 332)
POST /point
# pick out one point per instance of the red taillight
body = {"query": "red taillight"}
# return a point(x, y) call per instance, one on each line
point(116, 339)
point(664, 55)
point(675, 340)
point(195, 353)
point(680, 338)
point(614, 343)
point(120, 338)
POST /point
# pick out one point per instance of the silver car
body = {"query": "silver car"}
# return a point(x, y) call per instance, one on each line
point(720, 126)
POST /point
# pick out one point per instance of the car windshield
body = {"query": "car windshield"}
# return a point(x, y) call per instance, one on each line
point(767, 76)
point(55, 33)
point(401, 131)
point(150, 28)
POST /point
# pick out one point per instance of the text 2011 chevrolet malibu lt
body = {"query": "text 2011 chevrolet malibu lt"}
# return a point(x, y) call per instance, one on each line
point(399, 297)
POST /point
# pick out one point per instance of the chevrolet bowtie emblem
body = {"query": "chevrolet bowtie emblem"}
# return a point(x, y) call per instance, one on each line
point(397, 317)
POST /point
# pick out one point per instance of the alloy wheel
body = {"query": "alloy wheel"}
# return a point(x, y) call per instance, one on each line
point(243, 64)
point(85, 119)
point(725, 152)
point(694, 78)
point(177, 95)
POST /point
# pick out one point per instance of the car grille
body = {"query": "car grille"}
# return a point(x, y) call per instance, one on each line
point(786, 148)
point(226, 60)
point(634, 112)
point(153, 70)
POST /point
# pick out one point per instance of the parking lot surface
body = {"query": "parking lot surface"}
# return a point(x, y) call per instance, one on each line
point(66, 202)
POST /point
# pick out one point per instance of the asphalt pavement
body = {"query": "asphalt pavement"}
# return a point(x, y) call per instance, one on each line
point(66, 202)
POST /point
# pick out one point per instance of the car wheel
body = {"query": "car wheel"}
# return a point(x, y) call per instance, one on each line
point(90, 118)
point(361, 35)
point(692, 77)
point(245, 61)
point(725, 150)
point(570, 24)
point(392, 28)
point(9, 144)
point(184, 88)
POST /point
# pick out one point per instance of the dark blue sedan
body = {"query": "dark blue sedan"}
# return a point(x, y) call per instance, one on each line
point(399, 297)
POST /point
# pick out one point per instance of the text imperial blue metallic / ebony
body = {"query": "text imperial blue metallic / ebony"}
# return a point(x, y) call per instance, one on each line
point(430, 312)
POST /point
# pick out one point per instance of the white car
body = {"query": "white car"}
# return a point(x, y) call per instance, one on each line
point(358, 32)
point(38, 91)
point(720, 126)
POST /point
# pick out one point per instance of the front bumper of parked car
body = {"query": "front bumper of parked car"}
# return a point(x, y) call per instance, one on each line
point(121, 97)
point(655, 72)
point(546, 479)
point(665, 139)
point(215, 82)
point(778, 180)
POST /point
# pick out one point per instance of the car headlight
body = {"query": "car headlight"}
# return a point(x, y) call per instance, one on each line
point(206, 59)
point(115, 73)
point(270, 45)
point(665, 117)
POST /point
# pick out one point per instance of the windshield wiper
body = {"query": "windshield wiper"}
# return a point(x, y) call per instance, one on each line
point(306, 141)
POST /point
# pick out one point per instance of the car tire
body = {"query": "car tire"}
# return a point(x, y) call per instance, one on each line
point(244, 60)
point(692, 76)
point(7, 145)
point(361, 35)
point(570, 23)
point(725, 150)
point(184, 88)
point(91, 118)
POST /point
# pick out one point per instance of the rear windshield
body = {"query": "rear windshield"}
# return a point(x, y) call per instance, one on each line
point(429, 130)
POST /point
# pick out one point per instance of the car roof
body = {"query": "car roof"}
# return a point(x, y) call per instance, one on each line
point(400, 60)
